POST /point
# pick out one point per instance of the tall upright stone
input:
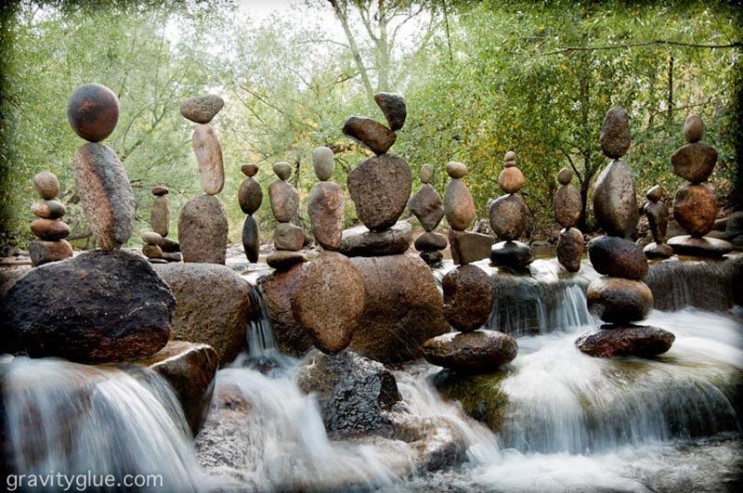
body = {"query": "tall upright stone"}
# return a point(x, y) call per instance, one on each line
point(567, 205)
point(250, 197)
point(205, 141)
point(326, 202)
point(288, 238)
point(427, 207)
point(657, 213)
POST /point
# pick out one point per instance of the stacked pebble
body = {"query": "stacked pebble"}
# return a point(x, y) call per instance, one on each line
point(158, 247)
point(567, 205)
point(694, 206)
point(49, 227)
point(427, 207)
point(619, 297)
point(250, 197)
point(289, 238)
point(509, 218)
point(326, 202)
point(657, 214)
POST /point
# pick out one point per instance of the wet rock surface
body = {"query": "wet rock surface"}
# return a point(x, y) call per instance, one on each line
point(617, 257)
point(480, 350)
point(513, 254)
point(644, 341)
point(617, 300)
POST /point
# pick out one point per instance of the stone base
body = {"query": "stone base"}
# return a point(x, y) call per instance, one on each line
point(699, 247)
point(42, 252)
point(658, 251)
point(626, 340)
point(478, 351)
point(360, 242)
point(512, 254)
point(283, 259)
point(468, 247)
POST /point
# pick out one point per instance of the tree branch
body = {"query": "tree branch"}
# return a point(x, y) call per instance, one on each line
point(655, 42)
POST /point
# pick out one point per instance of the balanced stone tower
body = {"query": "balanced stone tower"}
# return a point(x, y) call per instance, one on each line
point(48, 227)
point(427, 207)
point(158, 247)
point(619, 297)
point(202, 225)
point(567, 205)
point(250, 197)
point(326, 202)
point(289, 238)
point(694, 206)
point(657, 214)
point(509, 218)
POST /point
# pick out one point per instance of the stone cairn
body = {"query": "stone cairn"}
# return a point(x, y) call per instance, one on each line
point(619, 297)
point(250, 197)
point(288, 238)
point(427, 207)
point(158, 247)
point(466, 246)
point(202, 225)
point(379, 186)
point(567, 206)
point(49, 228)
point(694, 206)
point(509, 218)
point(326, 202)
point(657, 214)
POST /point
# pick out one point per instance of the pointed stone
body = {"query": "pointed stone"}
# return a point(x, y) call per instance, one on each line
point(251, 239)
point(370, 134)
point(394, 109)
point(427, 207)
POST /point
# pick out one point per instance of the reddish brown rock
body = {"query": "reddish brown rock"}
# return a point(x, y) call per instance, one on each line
point(511, 179)
point(160, 216)
point(46, 185)
point(288, 237)
point(209, 158)
point(468, 297)
point(159, 191)
point(278, 290)
point(618, 300)
point(427, 207)
point(467, 246)
point(50, 229)
point(695, 209)
point(567, 205)
point(202, 230)
point(380, 187)
point(325, 208)
point(478, 351)
point(617, 257)
point(614, 200)
point(459, 206)
point(509, 217)
point(42, 252)
point(693, 128)
point(370, 133)
point(93, 112)
point(202, 109)
point(570, 249)
point(394, 109)
point(48, 209)
point(615, 134)
point(249, 170)
point(643, 341)
point(250, 195)
point(694, 162)
point(284, 200)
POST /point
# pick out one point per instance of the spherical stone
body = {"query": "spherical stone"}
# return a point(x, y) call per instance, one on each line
point(456, 170)
point(565, 176)
point(93, 112)
point(426, 173)
point(394, 109)
point(657, 214)
point(693, 128)
point(459, 206)
point(323, 163)
point(509, 159)
point(209, 158)
point(152, 238)
point(152, 251)
point(46, 185)
point(251, 239)
point(202, 230)
point(617, 257)
point(695, 209)
point(508, 217)
point(360, 242)
point(159, 191)
point(427, 207)
point(699, 247)
point(694, 162)
point(106, 195)
point(567, 205)
point(284, 259)
point(160, 216)
point(202, 109)
point(511, 179)
point(249, 170)
point(42, 252)
point(654, 194)
point(614, 201)
point(429, 242)
point(468, 297)
point(615, 134)
point(612, 341)
point(48, 209)
point(468, 247)
point(570, 249)
point(50, 229)
point(370, 134)
point(658, 250)
point(325, 208)
point(283, 170)
point(284, 200)
point(616, 300)
point(329, 301)
point(513, 254)
point(288, 237)
point(250, 195)
point(478, 351)
point(380, 188)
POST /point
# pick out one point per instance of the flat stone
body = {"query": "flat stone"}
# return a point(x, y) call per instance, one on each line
point(284, 259)
point(478, 351)
point(159, 191)
point(615, 134)
point(326, 211)
point(567, 205)
point(46, 185)
point(511, 179)
point(468, 297)
point(152, 251)
point(249, 170)
point(250, 195)
point(565, 176)
point(202, 109)
point(93, 111)
point(426, 173)
point(570, 249)
point(288, 237)
point(694, 162)
point(509, 217)
point(617, 257)
point(370, 134)
point(209, 158)
point(693, 129)
point(283, 170)
point(251, 239)
point(658, 251)
point(614, 201)
point(456, 170)
point(42, 252)
point(106, 195)
point(160, 216)
point(394, 109)
point(468, 246)
point(202, 230)
point(695, 209)
point(459, 206)
point(430, 242)
point(633, 340)
point(427, 207)
point(323, 163)
point(152, 238)
point(284, 200)
point(699, 247)
point(513, 254)
point(329, 301)
point(360, 242)
point(50, 229)
point(618, 300)
point(657, 214)
point(380, 188)
point(172, 256)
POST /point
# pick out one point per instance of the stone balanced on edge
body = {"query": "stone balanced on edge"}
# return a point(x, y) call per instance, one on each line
point(427, 207)
point(250, 197)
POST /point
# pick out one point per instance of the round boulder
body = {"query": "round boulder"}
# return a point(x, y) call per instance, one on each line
point(615, 134)
point(616, 300)
point(468, 297)
point(380, 187)
point(617, 257)
point(693, 129)
point(46, 185)
point(508, 217)
point(93, 112)
point(695, 209)
point(511, 179)
point(694, 162)
point(478, 351)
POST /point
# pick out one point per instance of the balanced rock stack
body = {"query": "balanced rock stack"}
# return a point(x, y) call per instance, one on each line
point(102, 184)
point(427, 207)
point(379, 186)
point(468, 301)
point(466, 246)
point(657, 214)
point(619, 297)
point(694, 206)
point(202, 225)
point(158, 247)
point(509, 218)
point(326, 202)
point(49, 227)
point(567, 205)
point(289, 238)
point(250, 197)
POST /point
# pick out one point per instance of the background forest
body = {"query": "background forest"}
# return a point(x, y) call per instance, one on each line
point(479, 78)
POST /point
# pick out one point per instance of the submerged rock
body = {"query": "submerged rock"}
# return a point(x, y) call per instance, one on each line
point(633, 340)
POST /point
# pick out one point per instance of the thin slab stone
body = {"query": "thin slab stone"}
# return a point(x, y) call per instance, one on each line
point(633, 340)
point(360, 242)
point(48, 209)
point(93, 111)
point(284, 259)
point(478, 351)
point(700, 247)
